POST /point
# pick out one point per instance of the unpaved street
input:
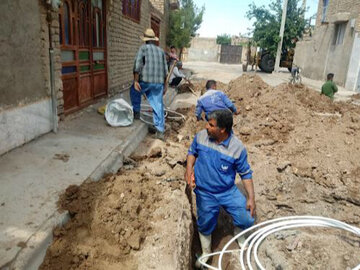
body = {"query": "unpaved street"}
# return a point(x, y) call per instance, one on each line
point(303, 149)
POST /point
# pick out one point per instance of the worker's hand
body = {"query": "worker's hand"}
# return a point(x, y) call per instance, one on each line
point(190, 178)
point(137, 86)
point(250, 205)
point(165, 89)
point(237, 112)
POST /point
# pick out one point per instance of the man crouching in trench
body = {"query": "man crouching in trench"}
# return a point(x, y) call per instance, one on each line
point(218, 155)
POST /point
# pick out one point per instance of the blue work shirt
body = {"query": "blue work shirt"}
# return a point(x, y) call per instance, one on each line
point(216, 165)
point(213, 100)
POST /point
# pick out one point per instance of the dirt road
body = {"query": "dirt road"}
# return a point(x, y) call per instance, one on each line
point(304, 151)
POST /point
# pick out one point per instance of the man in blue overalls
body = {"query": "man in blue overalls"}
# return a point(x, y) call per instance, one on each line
point(218, 155)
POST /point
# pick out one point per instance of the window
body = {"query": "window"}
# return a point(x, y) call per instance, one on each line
point(83, 28)
point(340, 29)
point(325, 6)
point(67, 23)
point(98, 24)
point(98, 32)
point(131, 9)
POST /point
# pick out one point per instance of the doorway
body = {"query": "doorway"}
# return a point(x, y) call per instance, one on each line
point(83, 52)
point(155, 25)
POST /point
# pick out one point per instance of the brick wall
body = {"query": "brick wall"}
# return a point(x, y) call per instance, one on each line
point(160, 9)
point(340, 6)
point(320, 54)
point(159, 5)
point(124, 40)
point(52, 16)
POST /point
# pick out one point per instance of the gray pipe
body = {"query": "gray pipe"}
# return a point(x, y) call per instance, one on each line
point(52, 79)
point(53, 95)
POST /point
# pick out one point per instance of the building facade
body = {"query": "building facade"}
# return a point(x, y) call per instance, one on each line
point(335, 44)
point(62, 55)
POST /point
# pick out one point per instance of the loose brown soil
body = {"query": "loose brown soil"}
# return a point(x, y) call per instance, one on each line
point(304, 151)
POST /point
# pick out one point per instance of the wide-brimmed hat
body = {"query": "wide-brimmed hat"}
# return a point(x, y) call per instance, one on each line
point(149, 34)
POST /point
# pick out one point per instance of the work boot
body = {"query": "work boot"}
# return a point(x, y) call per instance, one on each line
point(152, 129)
point(205, 241)
point(136, 115)
point(240, 240)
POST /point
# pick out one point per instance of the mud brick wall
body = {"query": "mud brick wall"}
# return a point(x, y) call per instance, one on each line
point(123, 41)
point(160, 8)
point(51, 16)
point(340, 6)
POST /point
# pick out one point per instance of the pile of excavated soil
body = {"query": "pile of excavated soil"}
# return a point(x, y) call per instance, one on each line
point(304, 151)
point(199, 86)
point(133, 220)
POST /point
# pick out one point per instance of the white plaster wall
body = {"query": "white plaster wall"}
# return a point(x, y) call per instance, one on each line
point(319, 56)
point(311, 55)
point(24, 123)
point(203, 49)
point(352, 80)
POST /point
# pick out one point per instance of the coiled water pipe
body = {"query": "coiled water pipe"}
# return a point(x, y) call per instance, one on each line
point(249, 250)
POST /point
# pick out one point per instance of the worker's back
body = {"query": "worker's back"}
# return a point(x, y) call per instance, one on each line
point(150, 62)
point(213, 100)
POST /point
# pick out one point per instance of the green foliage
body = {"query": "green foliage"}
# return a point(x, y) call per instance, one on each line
point(184, 23)
point(267, 24)
point(224, 39)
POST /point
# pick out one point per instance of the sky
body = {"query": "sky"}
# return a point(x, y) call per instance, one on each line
point(229, 16)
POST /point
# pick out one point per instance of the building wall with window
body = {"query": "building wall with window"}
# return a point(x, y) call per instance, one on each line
point(333, 46)
point(161, 9)
point(94, 44)
point(124, 32)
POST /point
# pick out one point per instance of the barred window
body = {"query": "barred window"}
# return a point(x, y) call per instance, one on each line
point(131, 9)
point(340, 29)
point(324, 10)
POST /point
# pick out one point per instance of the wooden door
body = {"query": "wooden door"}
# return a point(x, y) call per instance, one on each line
point(83, 52)
point(230, 54)
point(155, 25)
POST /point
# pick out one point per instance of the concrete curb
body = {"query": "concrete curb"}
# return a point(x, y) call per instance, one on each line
point(114, 161)
point(33, 254)
point(31, 257)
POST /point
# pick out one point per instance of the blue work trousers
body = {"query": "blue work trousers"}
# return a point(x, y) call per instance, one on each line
point(208, 207)
point(154, 93)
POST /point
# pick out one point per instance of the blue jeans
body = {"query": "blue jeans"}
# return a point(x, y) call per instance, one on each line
point(208, 207)
point(154, 93)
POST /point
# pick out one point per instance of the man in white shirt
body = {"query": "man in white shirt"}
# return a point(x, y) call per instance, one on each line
point(176, 76)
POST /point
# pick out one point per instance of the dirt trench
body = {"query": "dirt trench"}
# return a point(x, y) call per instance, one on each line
point(303, 149)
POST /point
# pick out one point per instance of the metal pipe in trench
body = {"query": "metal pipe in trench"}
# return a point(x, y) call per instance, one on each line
point(52, 79)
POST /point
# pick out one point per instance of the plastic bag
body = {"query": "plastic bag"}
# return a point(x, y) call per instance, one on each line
point(119, 113)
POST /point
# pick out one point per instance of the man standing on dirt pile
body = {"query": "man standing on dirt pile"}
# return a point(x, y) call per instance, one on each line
point(150, 71)
point(213, 100)
point(329, 88)
point(218, 155)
